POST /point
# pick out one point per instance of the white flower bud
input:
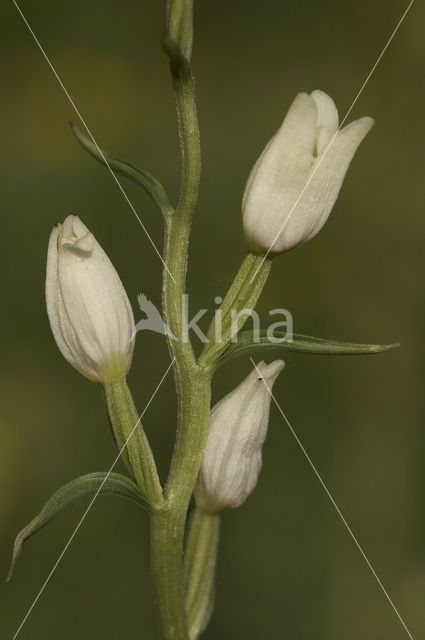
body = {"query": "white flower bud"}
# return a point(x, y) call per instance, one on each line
point(307, 150)
point(237, 430)
point(89, 311)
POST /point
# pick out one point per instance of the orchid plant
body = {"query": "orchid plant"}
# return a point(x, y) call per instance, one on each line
point(217, 455)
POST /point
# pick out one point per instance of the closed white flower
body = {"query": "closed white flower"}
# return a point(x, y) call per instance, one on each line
point(89, 311)
point(308, 156)
point(237, 430)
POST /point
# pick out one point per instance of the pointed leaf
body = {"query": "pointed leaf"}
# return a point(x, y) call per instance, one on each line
point(247, 344)
point(71, 493)
point(150, 184)
point(199, 569)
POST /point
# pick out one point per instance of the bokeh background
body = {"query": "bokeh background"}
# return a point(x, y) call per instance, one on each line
point(287, 566)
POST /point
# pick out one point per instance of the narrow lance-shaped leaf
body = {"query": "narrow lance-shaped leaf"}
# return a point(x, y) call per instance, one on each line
point(150, 184)
point(72, 493)
point(248, 343)
point(199, 570)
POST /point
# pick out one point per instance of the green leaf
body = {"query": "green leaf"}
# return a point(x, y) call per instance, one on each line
point(246, 345)
point(150, 184)
point(73, 492)
point(199, 569)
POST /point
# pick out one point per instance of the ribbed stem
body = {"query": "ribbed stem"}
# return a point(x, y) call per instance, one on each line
point(168, 524)
point(192, 382)
point(167, 532)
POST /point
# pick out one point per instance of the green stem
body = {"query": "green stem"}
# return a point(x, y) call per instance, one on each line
point(167, 530)
point(130, 437)
point(192, 383)
point(180, 24)
point(199, 569)
point(240, 300)
point(168, 524)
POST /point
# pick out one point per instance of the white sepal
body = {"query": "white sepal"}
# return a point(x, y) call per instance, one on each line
point(237, 430)
point(89, 311)
point(308, 155)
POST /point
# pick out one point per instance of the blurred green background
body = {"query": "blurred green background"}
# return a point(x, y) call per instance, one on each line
point(287, 566)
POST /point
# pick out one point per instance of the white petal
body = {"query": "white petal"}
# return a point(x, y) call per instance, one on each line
point(93, 296)
point(78, 226)
point(331, 169)
point(327, 113)
point(323, 139)
point(52, 301)
point(324, 184)
point(279, 174)
point(296, 180)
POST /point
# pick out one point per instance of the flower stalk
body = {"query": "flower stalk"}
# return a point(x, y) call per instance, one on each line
point(239, 302)
point(131, 439)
